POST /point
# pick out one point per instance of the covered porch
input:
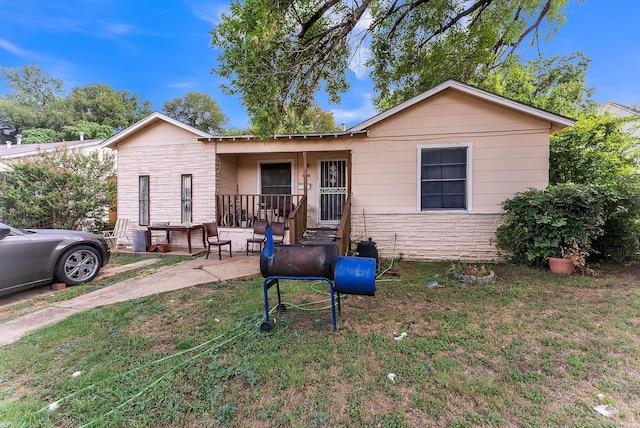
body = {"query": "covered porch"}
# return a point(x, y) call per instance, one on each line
point(301, 181)
point(236, 215)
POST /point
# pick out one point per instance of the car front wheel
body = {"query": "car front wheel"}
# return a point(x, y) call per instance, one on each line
point(78, 265)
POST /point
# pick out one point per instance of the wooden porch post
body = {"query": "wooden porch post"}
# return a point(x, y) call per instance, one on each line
point(304, 161)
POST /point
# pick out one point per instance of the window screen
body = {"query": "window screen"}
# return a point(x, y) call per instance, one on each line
point(185, 202)
point(143, 200)
point(443, 181)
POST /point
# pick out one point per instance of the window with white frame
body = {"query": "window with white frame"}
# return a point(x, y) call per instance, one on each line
point(185, 201)
point(143, 200)
point(444, 174)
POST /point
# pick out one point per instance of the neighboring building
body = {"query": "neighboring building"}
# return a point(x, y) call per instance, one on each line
point(621, 110)
point(9, 151)
point(425, 179)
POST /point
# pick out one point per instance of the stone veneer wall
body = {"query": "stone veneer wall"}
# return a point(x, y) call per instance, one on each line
point(430, 236)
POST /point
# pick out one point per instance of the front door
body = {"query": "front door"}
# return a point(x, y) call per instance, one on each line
point(332, 190)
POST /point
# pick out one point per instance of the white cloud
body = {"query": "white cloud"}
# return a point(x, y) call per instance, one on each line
point(207, 11)
point(15, 50)
point(180, 85)
point(353, 116)
point(358, 61)
point(119, 29)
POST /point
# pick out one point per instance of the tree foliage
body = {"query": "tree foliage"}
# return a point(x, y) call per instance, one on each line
point(556, 84)
point(594, 196)
point(16, 118)
point(198, 110)
point(38, 101)
point(68, 189)
point(313, 119)
point(91, 130)
point(34, 98)
point(279, 53)
point(102, 104)
point(33, 87)
point(597, 149)
point(600, 151)
point(40, 136)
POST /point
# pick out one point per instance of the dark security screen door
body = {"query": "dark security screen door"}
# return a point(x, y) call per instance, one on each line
point(333, 190)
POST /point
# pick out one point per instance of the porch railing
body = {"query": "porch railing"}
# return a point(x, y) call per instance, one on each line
point(298, 221)
point(242, 210)
point(344, 229)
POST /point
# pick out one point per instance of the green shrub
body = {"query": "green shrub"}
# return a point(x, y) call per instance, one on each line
point(621, 237)
point(537, 224)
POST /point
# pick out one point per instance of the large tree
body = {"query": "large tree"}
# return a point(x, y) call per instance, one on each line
point(37, 100)
point(34, 94)
point(100, 103)
point(198, 110)
point(279, 53)
point(33, 86)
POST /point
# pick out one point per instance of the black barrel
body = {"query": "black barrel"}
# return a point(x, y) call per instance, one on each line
point(299, 260)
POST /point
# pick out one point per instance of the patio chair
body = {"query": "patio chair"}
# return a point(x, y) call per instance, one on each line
point(277, 228)
point(118, 233)
point(212, 238)
point(259, 232)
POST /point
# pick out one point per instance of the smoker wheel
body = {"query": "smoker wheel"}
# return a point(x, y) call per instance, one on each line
point(282, 308)
point(266, 327)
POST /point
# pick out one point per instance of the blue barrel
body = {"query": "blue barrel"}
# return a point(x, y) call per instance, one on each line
point(355, 275)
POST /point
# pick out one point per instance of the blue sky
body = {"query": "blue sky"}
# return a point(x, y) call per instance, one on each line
point(161, 49)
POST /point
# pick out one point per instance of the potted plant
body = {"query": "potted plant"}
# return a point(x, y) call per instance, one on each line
point(560, 266)
point(471, 273)
point(574, 256)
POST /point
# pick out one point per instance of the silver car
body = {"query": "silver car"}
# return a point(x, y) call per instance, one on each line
point(33, 257)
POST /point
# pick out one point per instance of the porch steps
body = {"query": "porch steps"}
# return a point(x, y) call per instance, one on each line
point(319, 236)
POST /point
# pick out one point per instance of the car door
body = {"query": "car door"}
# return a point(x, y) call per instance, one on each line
point(18, 259)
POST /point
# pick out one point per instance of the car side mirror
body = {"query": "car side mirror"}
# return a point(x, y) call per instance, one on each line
point(4, 231)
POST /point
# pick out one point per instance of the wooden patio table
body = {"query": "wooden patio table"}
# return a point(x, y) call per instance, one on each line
point(184, 228)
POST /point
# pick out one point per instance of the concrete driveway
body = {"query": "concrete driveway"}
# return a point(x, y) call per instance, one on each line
point(167, 278)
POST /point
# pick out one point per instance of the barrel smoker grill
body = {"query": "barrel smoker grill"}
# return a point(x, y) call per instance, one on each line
point(346, 275)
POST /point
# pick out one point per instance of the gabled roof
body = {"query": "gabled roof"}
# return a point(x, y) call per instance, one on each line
point(148, 121)
point(24, 150)
point(619, 108)
point(471, 90)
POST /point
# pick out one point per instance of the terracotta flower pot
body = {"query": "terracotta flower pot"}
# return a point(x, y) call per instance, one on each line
point(560, 266)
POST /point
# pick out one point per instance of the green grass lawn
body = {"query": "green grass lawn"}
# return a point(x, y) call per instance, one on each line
point(532, 349)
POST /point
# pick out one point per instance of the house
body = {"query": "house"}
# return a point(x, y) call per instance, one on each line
point(10, 151)
point(621, 110)
point(424, 179)
point(160, 162)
